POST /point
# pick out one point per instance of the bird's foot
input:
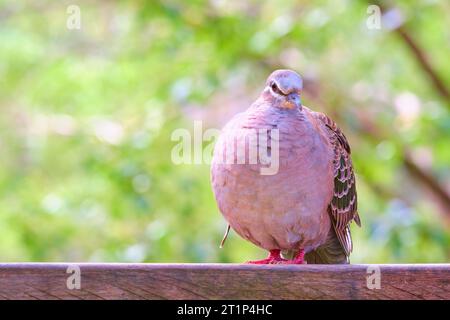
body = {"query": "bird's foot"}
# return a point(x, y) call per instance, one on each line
point(298, 259)
point(273, 258)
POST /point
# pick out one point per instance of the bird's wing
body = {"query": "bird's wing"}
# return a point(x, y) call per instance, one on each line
point(343, 207)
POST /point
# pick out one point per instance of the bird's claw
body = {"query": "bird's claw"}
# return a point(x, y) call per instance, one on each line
point(294, 261)
point(268, 261)
point(273, 258)
point(298, 259)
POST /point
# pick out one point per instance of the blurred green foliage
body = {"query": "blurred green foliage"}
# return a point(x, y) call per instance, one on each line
point(86, 119)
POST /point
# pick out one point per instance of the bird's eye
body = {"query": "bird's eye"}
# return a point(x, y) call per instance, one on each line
point(275, 88)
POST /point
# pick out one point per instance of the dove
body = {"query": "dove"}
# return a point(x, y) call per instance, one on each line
point(302, 211)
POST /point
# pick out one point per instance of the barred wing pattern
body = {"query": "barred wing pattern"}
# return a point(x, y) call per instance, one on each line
point(343, 207)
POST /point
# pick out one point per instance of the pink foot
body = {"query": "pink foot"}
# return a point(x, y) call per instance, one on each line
point(298, 259)
point(273, 258)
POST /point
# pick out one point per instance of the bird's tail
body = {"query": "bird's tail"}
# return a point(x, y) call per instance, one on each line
point(331, 252)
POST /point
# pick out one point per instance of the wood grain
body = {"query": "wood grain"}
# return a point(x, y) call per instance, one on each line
point(222, 281)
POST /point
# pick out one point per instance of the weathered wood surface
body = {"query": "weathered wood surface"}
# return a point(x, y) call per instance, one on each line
point(222, 281)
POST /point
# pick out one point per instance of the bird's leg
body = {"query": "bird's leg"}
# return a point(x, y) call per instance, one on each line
point(273, 258)
point(298, 259)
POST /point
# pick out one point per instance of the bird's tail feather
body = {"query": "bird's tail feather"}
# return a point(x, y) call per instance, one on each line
point(331, 252)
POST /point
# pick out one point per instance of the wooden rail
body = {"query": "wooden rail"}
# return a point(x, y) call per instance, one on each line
point(222, 281)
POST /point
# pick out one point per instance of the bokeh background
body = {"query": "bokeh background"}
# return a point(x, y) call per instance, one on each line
point(86, 117)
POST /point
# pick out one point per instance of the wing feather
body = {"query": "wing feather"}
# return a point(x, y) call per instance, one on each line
point(343, 207)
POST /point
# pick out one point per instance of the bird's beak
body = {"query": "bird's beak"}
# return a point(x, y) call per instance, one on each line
point(293, 101)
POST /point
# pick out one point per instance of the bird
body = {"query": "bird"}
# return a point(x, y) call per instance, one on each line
point(301, 212)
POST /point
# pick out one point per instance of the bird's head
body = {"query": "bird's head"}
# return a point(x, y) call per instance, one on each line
point(283, 89)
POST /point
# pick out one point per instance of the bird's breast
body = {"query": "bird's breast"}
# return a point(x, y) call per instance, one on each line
point(286, 204)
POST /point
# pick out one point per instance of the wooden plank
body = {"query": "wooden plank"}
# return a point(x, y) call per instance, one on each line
point(223, 281)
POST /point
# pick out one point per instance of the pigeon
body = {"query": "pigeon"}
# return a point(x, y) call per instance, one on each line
point(301, 209)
